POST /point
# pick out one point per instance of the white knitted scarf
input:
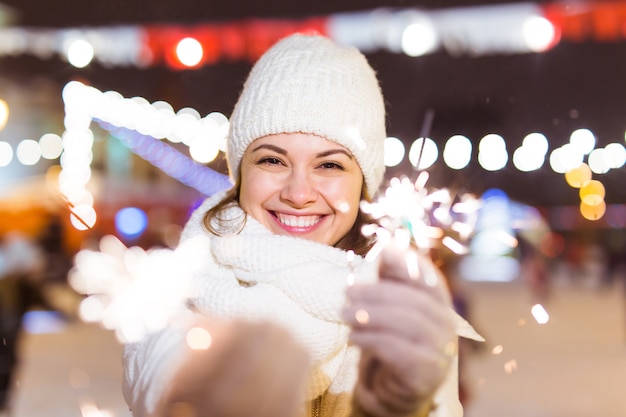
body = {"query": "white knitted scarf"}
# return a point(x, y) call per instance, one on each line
point(299, 284)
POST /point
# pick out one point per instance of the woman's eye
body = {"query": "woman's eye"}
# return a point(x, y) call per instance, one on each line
point(331, 165)
point(269, 160)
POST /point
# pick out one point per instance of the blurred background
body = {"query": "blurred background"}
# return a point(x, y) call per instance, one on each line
point(112, 120)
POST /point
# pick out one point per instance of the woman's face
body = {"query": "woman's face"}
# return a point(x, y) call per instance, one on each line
point(301, 185)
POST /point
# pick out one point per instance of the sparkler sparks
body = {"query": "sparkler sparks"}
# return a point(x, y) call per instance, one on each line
point(411, 214)
point(134, 291)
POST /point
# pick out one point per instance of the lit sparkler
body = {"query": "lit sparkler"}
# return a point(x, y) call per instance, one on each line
point(134, 291)
point(411, 214)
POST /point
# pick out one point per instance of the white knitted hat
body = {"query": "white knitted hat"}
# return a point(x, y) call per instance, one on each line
point(308, 84)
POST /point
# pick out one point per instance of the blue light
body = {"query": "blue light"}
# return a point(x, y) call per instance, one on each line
point(42, 322)
point(131, 222)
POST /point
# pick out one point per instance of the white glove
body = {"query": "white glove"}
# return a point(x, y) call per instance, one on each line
point(405, 327)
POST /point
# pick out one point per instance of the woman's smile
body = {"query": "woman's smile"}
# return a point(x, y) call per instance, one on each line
point(301, 185)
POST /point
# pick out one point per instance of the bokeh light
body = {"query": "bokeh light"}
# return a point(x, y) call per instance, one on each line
point(457, 153)
point(394, 151)
point(539, 33)
point(419, 38)
point(51, 146)
point(592, 212)
point(189, 52)
point(578, 176)
point(28, 152)
point(583, 140)
point(423, 153)
point(592, 192)
point(492, 153)
point(6, 153)
point(131, 222)
point(4, 114)
point(80, 53)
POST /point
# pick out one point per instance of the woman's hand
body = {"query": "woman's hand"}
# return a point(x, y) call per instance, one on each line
point(249, 369)
point(404, 326)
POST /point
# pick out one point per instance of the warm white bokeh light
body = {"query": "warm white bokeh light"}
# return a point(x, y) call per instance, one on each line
point(538, 33)
point(457, 153)
point(28, 152)
point(4, 114)
point(537, 142)
point(6, 153)
point(189, 52)
point(598, 162)
point(583, 140)
point(492, 153)
point(51, 146)
point(80, 53)
point(83, 217)
point(394, 151)
point(615, 155)
point(204, 150)
point(423, 153)
point(569, 156)
point(419, 38)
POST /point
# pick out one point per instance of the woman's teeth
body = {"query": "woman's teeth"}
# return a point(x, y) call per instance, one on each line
point(298, 221)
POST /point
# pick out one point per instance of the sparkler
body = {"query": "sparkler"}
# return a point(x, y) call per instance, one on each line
point(411, 214)
point(135, 291)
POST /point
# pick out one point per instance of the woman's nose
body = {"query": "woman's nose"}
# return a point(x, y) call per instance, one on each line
point(299, 189)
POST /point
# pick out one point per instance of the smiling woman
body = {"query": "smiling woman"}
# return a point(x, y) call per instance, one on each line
point(305, 147)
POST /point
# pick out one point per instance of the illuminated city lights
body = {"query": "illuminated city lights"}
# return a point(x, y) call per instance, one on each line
point(419, 38)
point(394, 151)
point(492, 153)
point(189, 51)
point(6, 153)
point(80, 53)
point(592, 192)
point(423, 153)
point(578, 176)
point(4, 114)
point(28, 152)
point(457, 152)
point(539, 33)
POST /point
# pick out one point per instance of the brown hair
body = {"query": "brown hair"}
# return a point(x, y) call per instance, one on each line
point(219, 225)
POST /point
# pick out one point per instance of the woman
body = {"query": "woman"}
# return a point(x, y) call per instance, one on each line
point(304, 148)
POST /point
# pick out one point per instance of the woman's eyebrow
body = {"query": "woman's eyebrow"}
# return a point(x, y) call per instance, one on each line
point(271, 148)
point(334, 151)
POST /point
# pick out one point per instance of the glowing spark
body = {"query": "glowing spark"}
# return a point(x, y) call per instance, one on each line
point(510, 366)
point(133, 291)
point(362, 316)
point(412, 265)
point(497, 349)
point(409, 212)
point(540, 314)
point(454, 246)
